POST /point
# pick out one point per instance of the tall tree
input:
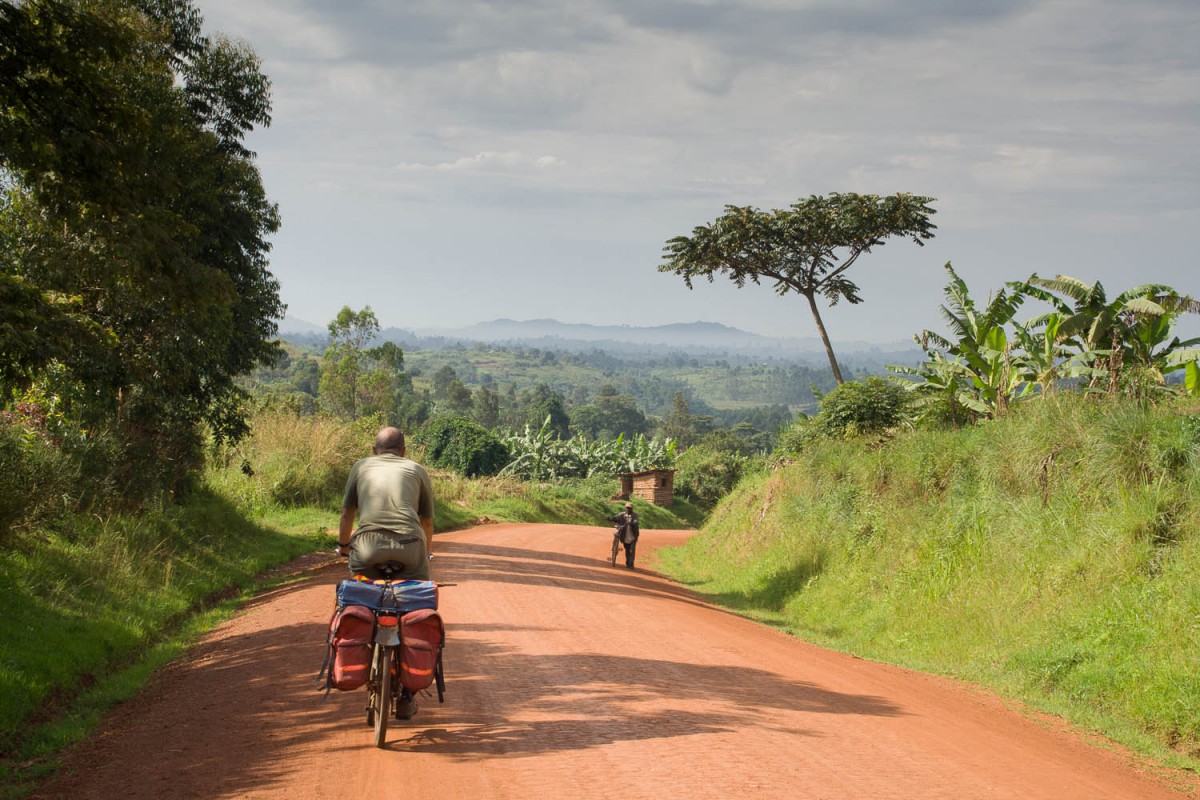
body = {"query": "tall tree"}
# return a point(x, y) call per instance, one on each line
point(343, 365)
point(134, 221)
point(610, 415)
point(486, 408)
point(806, 248)
point(542, 403)
point(682, 425)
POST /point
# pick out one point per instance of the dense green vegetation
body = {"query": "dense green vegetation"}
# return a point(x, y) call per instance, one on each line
point(133, 232)
point(601, 394)
point(990, 361)
point(1051, 554)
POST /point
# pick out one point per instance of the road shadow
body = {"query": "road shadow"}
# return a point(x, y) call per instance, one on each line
point(583, 700)
point(468, 561)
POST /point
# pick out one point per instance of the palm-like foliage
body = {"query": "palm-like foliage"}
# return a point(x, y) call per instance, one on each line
point(1120, 344)
point(980, 344)
point(1132, 329)
point(1045, 358)
point(945, 392)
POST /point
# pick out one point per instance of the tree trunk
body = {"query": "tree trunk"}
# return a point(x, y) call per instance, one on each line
point(837, 372)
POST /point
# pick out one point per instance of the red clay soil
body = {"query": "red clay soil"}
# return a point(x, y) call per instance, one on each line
point(570, 678)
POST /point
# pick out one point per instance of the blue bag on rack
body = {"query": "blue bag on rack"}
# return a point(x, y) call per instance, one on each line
point(402, 596)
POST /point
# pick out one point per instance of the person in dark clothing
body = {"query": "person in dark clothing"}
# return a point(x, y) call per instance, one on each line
point(627, 534)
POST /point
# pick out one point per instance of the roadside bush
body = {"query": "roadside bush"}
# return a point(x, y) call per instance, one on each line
point(865, 406)
point(704, 474)
point(28, 470)
point(466, 447)
point(797, 437)
point(291, 460)
point(44, 476)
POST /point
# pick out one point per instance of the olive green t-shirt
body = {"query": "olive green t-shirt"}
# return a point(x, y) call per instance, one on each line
point(390, 491)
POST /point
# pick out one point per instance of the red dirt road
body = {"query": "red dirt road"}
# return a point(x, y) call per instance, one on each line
point(569, 678)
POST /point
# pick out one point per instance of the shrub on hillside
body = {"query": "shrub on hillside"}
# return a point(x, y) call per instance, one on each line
point(703, 474)
point(26, 467)
point(47, 471)
point(866, 406)
point(796, 437)
point(463, 446)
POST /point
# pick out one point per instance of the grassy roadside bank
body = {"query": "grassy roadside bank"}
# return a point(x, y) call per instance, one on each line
point(93, 607)
point(1051, 555)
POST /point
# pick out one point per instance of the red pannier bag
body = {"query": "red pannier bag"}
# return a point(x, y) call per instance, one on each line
point(422, 635)
point(351, 633)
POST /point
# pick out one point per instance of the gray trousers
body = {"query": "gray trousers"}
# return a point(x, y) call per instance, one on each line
point(372, 545)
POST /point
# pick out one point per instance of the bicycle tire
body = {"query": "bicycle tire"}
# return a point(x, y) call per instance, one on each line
point(372, 682)
point(615, 550)
point(383, 697)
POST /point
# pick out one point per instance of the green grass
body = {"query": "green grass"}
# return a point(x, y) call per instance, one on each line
point(92, 607)
point(1051, 555)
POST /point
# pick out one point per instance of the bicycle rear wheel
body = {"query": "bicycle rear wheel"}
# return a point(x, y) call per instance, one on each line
point(382, 669)
point(372, 684)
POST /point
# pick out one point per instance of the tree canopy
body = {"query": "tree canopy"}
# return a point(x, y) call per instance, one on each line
point(133, 222)
point(806, 248)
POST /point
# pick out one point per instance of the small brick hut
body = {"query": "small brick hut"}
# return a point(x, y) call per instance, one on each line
point(654, 485)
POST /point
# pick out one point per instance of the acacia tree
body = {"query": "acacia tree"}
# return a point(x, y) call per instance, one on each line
point(806, 248)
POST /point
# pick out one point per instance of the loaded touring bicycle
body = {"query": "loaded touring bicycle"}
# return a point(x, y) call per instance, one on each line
point(387, 635)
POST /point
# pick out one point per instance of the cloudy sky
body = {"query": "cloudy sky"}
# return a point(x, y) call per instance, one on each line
point(449, 162)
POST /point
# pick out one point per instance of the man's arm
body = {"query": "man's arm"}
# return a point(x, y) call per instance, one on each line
point(427, 526)
point(346, 526)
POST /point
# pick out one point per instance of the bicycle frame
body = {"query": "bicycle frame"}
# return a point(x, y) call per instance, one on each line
point(381, 684)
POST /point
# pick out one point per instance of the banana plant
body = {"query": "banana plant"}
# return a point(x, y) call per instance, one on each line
point(979, 344)
point(1132, 329)
point(541, 455)
point(531, 452)
point(944, 387)
point(1045, 357)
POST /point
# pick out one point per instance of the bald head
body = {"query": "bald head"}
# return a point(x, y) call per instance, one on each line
point(389, 440)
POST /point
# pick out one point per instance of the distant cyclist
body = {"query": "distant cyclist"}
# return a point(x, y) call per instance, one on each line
point(393, 498)
point(627, 533)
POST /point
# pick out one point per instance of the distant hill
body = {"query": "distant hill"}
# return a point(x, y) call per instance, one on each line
point(710, 339)
point(291, 325)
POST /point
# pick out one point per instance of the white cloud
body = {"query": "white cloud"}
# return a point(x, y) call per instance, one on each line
point(1025, 168)
point(489, 161)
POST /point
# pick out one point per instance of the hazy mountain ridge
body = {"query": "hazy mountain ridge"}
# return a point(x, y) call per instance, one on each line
point(698, 338)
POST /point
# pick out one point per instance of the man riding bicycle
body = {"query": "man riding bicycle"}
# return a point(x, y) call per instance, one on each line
point(393, 498)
